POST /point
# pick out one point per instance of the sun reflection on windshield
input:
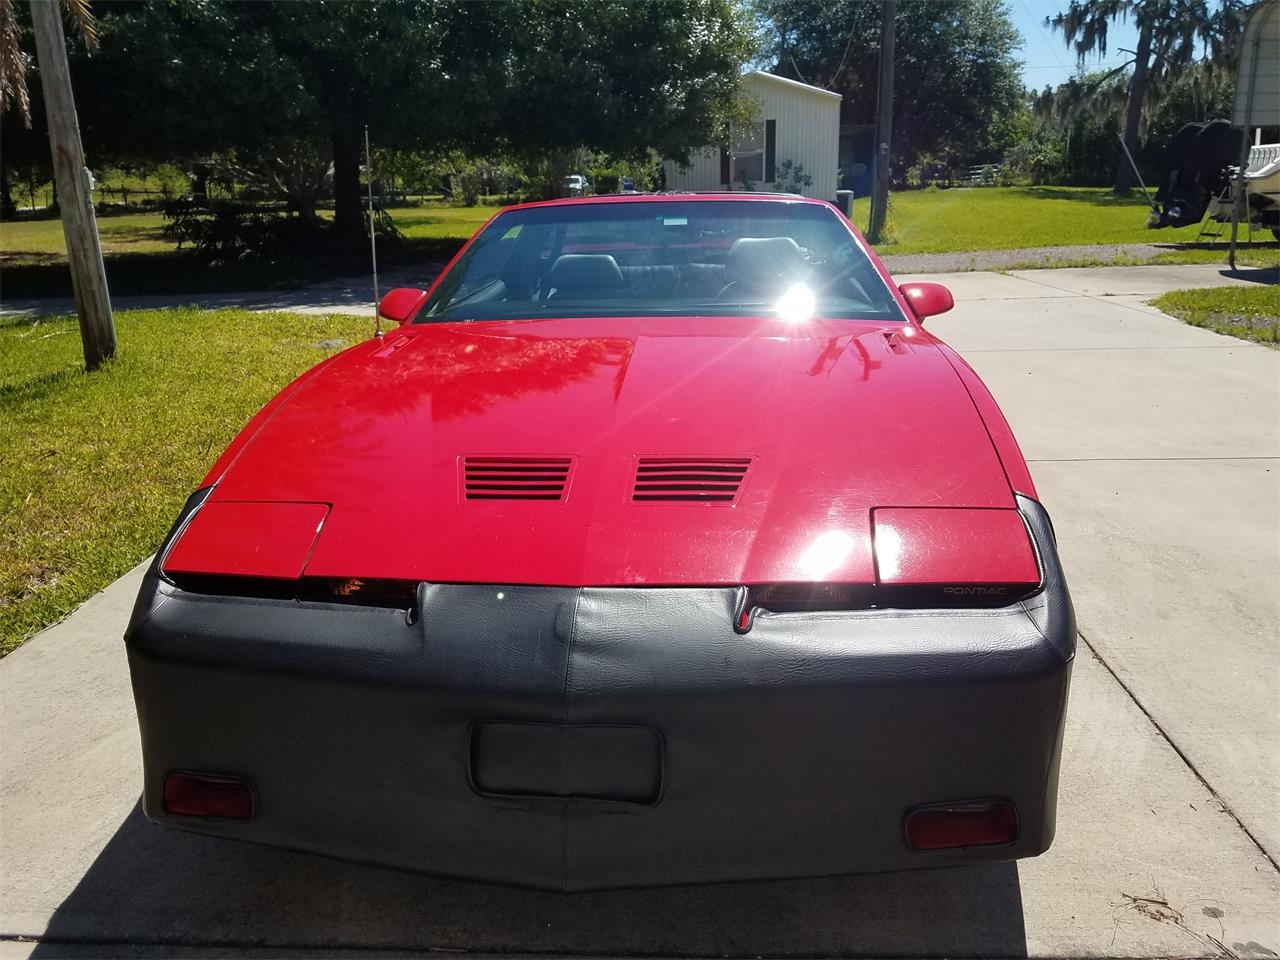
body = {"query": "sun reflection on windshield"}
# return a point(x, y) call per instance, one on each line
point(796, 305)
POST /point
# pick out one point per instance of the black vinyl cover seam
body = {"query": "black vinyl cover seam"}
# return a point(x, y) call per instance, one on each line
point(565, 803)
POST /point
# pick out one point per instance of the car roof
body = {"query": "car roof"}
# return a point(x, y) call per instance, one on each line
point(669, 196)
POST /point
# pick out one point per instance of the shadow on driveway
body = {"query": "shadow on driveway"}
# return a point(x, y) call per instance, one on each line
point(1263, 275)
point(152, 886)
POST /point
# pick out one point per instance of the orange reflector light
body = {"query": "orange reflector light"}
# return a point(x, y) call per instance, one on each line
point(206, 795)
point(979, 823)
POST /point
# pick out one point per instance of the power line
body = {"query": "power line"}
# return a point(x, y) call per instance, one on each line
point(1044, 33)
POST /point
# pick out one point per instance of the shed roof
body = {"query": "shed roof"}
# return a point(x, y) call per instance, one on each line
point(1258, 86)
point(794, 84)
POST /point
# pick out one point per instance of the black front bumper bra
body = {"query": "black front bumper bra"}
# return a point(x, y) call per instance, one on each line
point(588, 738)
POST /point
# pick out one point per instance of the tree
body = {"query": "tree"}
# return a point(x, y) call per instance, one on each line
point(262, 79)
point(957, 73)
point(14, 58)
point(884, 122)
point(618, 78)
point(298, 170)
point(524, 77)
point(1200, 93)
point(24, 159)
point(1085, 138)
point(1080, 120)
point(15, 93)
point(1170, 33)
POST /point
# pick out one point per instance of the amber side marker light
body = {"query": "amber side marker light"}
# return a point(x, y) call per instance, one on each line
point(980, 823)
point(206, 795)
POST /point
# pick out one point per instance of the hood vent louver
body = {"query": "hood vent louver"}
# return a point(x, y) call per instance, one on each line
point(515, 478)
point(689, 479)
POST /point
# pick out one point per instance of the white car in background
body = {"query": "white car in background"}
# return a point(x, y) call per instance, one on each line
point(575, 185)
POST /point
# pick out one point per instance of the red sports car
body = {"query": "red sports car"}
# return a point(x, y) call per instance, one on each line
point(659, 543)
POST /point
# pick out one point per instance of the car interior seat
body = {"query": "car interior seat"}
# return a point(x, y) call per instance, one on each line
point(579, 275)
point(760, 266)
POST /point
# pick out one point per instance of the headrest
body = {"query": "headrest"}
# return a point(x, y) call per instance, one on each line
point(764, 259)
point(584, 273)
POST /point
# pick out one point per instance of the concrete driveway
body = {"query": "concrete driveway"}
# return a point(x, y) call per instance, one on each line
point(1156, 447)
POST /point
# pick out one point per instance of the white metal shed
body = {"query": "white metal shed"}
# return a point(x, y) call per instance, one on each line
point(793, 122)
point(1258, 86)
point(1257, 105)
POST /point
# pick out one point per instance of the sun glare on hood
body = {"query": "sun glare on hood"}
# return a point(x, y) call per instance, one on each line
point(888, 552)
point(826, 554)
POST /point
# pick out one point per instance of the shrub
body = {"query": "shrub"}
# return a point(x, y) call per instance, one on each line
point(470, 183)
point(224, 230)
point(791, 177)
point(220, 230)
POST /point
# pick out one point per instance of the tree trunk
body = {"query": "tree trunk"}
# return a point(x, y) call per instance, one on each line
point(306, 206)
point(347, 216)
point(884, 125)
point(1133, 114)
point(559, 166)
point(8, 209)
point(200, 182)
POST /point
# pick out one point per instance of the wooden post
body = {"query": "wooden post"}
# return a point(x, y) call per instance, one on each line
point(884, 125)
point(84, 251)
point(1239, 198)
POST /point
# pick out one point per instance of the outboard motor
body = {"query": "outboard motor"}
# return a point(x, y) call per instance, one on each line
point(1193, 172)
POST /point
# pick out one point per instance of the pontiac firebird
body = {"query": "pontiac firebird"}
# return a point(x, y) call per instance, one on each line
point(660, 542)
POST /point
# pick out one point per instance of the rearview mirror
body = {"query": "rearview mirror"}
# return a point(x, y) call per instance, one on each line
point(401, 303)
point(927, 299)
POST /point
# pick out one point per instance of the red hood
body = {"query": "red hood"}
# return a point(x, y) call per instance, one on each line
point(837, 418)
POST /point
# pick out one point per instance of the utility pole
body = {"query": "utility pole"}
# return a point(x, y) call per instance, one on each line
point(84, 251)
point(884, 124)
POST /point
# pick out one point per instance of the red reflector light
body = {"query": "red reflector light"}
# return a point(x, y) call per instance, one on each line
point(978, 824)
point(203, 795)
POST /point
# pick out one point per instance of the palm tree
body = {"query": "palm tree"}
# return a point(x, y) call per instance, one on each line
point(1170, 34)
point(13, 71)
point(14, 60)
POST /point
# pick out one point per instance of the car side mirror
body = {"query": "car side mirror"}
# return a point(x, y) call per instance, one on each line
point(927, 299)
point(401, 303)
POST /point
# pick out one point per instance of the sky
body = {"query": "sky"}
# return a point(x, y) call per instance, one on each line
point(1046, 58)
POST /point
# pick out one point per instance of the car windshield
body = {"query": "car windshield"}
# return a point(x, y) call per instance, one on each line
point(664, 258)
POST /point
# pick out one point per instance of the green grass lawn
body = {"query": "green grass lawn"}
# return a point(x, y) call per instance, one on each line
point(96, 466)
point(42, 241)
point(921, 221)
point(139, 260)
point(1012, 218)
point(440, 221)
point(1250, 313)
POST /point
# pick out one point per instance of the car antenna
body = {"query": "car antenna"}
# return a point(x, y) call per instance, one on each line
point(373, 236)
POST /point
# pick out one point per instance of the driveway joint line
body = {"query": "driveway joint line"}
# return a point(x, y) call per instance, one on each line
point(1164, 735)
point(1264, 457)
point(1143, 308)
